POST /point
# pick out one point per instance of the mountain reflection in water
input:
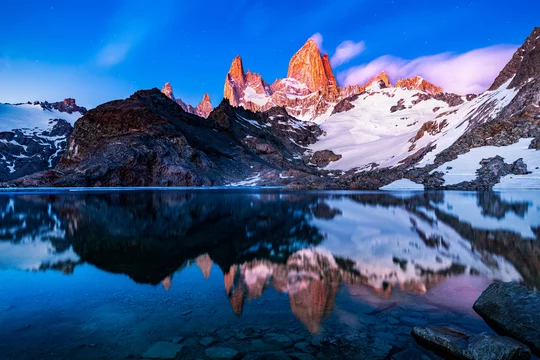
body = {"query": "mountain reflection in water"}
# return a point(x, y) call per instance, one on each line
point(306, 245)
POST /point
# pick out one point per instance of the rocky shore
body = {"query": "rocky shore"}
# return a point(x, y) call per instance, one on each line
point(510, 309)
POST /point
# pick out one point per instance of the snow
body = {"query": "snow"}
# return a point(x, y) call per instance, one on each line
point(464, 206)
point(369, 133)
point(465, 166)
point(258, 99)
point(250, 181)
point(31, 117)
point(373, 236)
point(403, 184)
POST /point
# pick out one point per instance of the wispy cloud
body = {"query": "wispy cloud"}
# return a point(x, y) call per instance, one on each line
point(346, 51)
point(113, 54)
point(135, 22)
point(318, 38)
point(470, 72)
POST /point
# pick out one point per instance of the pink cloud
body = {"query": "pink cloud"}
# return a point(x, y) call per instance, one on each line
point(470, 72)
point(318, 38)
point(346, 51)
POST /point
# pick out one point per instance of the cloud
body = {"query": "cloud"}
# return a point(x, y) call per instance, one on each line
point(318, 38)
point(346, 51)
point(113, 54)
point(470, 72)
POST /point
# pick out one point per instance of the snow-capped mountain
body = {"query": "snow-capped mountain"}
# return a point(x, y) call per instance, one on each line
point(310, 90)
point(33, 136)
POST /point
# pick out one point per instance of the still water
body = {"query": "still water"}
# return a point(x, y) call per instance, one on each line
point(108, 275)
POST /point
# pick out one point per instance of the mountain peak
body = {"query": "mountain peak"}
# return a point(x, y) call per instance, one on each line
point(205, 107)
point(234, 82)
point(168, 91)
point(524, 65)
point(308, 67)
point(418, 83)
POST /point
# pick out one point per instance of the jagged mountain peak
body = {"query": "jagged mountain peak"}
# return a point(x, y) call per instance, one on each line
point(524, 65)
point(418, 83)
point(309, 67)
point(203, 109)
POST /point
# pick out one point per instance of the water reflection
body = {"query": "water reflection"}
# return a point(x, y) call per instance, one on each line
point(305, 245)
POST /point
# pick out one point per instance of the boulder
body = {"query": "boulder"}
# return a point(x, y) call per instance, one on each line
point(324, 157)
point(221, 353)
point(463, 345)
point(163, 350)
point(512, 310)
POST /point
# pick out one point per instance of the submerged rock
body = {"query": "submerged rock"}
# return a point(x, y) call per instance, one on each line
point(512, 310)
point(463, 345)
point(358, 345)
point(221, 353)
point(163, 350)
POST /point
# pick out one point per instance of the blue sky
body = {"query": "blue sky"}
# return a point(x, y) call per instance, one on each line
point(98, 50)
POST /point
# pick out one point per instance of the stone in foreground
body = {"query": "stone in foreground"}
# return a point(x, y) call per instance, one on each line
point(462, 345)
point(163, 350)
point(221, 353)
point(512, 310)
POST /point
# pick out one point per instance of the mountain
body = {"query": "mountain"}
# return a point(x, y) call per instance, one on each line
point(310, 90)
point(203, 109)
point(368, 136)
point(148, 139)
point(33, 136)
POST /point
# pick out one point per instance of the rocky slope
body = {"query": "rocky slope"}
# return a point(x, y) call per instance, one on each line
point(33, 136)
point(149, 140)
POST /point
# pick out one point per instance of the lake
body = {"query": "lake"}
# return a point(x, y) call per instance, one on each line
point(110, 274)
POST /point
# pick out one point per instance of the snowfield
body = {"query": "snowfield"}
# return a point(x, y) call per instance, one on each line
point(370, 133)
point(31, 117)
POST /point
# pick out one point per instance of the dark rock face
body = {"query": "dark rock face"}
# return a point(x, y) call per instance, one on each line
point(149, 140)
point(68, 106)
point(463, 345)
point(535, 144)
point(512, 310)
point(490, 173)
point(345, 104)
point(524, 65)
point(25, 152)
point(400, 106)
point(324, 157)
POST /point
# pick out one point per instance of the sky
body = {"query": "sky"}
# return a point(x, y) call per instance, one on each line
point(101, 50)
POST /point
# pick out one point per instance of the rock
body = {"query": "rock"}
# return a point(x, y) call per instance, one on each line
point(274, 355)
point(410, 354)
point(221, 353)
point(294, 337)
point(302, 356)
point(163, 350)
point(358, 345)
point(535, 143)
point(464, 345)
point(304, 346)
point(324, 157)
point(512, 310)
point(207, 341)
point(177, 339)
point(392, 320)
point(278, 339)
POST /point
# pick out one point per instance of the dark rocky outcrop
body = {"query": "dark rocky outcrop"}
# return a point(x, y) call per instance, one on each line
point(24, 152)
point(513, 310)
point(463, 345)
point(324, 157)
point(148, 139)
